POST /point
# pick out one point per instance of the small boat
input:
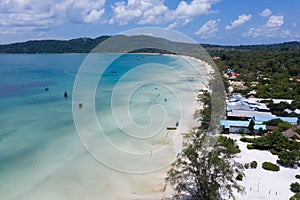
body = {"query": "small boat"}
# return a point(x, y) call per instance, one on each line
point(171, 128)
point(113, 72)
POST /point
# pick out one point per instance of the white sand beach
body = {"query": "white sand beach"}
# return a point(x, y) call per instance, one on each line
point(155, 186)
point(188, 122)
point(260, 183)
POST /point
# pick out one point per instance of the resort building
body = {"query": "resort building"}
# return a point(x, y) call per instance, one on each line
point(240, 111)
point(296, 111)
point(292, 133)
point(240, 103)
point(232, 126)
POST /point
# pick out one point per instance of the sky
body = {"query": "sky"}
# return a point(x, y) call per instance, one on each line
point(224, 22)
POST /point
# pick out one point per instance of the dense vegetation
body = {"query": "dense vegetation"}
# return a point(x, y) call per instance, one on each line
point(80, 45)
point(205, 168)
point(278, 108)
point(280, 46)
point(296, 196)
point(85, 45)
point(270, 166)
point(282, 125)
point(288, 151)
point(204, 115)
point(276, 70)
point(295, 187)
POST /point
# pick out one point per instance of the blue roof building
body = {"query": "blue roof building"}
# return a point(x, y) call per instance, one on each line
point(241, 110)
point(234, 126)
point(291, 120)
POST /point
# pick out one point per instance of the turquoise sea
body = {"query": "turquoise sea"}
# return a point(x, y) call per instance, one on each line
point(42, 154)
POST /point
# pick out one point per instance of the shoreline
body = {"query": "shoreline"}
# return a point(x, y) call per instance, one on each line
point(159, 189)
point(188, 122)
point(152, 185)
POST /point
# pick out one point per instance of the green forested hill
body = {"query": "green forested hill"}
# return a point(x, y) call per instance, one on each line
point(85, 45)
point(80, 45)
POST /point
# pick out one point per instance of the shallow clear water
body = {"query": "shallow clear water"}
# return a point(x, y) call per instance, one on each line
point(137, 96)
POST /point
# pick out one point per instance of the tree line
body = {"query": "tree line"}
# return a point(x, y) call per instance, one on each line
point(276, 71)
point(85, 45)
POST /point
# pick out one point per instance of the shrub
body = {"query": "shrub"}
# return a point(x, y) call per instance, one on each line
point(270, 166)
point(250, 146)
point(260, 131)
point(274, 152)
point(230, 145)
point(296, 196)
point(288, 158)
point(295, 187)
point(253, 164)
point(283, 162)
point(246, 165)
point(273, 122)
point(297, 176)
point(239, 177)
point(282, 126)
point(244, 139)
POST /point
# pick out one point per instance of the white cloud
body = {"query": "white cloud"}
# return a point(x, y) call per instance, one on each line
point(186, 12)
point(208, 29)
point(156, 12)
point(39, 14)
point(241, 20)
point(86, 11)
point(275, 21)
point(172, 25)
point(195, 8)
point(145, 11)
point(93, 16)
point(36, 14)
point(266, 12)
point(273, 28)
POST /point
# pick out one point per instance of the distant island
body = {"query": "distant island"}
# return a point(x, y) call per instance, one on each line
point(86, 45)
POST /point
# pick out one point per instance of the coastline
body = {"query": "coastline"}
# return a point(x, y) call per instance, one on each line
point(152, 185)
point(155, 187)
point(188, 122)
